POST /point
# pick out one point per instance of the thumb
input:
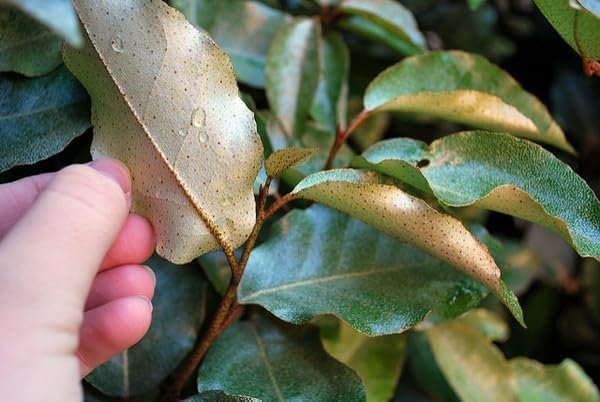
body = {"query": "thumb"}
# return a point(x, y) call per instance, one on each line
point(52, 254)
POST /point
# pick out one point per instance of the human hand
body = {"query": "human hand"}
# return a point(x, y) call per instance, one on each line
point(72, 292)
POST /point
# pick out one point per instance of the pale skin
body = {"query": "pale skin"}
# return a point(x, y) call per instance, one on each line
point(73, 292)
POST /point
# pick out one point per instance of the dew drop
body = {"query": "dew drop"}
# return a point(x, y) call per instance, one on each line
point(182, 133)
point(198, 117)
point(117, 44)
point(203, 137)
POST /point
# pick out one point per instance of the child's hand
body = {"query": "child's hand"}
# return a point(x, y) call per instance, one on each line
point(72, 292)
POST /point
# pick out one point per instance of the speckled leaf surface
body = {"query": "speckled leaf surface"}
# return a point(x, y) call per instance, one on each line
point(498, 172)
point(26, 46)
point(562, 17)
point(464, 88)
point(280, 161)
point(220, 396)
point(179, 305)
point(244, 29)
point(39, 117)
point(58, 15)
point(377, 360)
point(553, 383)
point(390, 15)
point(315, 259)
point(292, 73)
point(366, 196)
point(472, 364)
point(273, 361)
point(330, 103)
point(165, 101)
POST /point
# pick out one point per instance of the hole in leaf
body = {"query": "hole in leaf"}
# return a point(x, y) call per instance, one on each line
point(422, 163)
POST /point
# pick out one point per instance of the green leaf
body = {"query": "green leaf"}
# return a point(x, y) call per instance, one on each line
point(378, 361)
point(473, 366)
point(478, 371)
point(220, 396)
point(554, 383)
point(179, 308)
point(58, 15)
point(315, 259)
point(475, 4)
point(273, 361)
point(40, 117)
point(366, 196)
point(375, 32)
point(331, 99)
point(562, 18)
point(498, 172)
point(280, 161)
point(388, 14)
point(292, 73)
point(463, 88)
point(26, 47)
point(244, 29)
point(313, 137)
point(193, 157)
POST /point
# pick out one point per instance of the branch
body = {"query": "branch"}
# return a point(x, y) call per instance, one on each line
point(342, 136)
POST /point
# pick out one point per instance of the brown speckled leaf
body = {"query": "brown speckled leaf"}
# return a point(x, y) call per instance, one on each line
point(279, 161)
point(165, 101)
point(366, 196)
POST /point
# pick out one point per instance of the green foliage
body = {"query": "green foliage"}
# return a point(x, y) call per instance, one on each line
point(271, 360)
point(379, 293)
point(40, 117)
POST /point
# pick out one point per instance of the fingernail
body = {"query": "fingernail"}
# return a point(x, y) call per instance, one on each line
point(151, 272)
point(147, 301)
point(115, 170)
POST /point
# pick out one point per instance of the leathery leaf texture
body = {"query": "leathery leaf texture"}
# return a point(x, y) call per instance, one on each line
point(464, 88)
point(320, 261)
point(165, 101)
point(498, 172)
point(370, 197)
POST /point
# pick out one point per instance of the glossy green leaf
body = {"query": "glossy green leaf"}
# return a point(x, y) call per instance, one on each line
point(474, 367)
point(280, 161)
point(377, 33)
point(58, 15)
point(39, 117)
point(554, 383)
point(498, 172)
point(331, 99)
point(179, 305)
point(190, 142)
point(220, 396)
point(562, 17)
point(366, 196)
point(378, 361)
point(273, 361)
point(26, 46)
point(464, 88)
point(390, 15)
point(244, 29)
point(292, 73)
point(320, 261)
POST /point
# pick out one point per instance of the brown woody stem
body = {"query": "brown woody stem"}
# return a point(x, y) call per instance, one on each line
point(342, 136)
point(227, 309)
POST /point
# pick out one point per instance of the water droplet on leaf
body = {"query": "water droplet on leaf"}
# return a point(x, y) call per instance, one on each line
point(198, 117)
point(117, 44)
point(202, 137)
point(182, 133)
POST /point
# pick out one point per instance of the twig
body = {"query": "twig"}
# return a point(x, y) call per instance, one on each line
point(342, 136)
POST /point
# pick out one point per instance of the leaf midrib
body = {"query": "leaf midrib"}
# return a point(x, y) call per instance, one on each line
point(265, 358)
